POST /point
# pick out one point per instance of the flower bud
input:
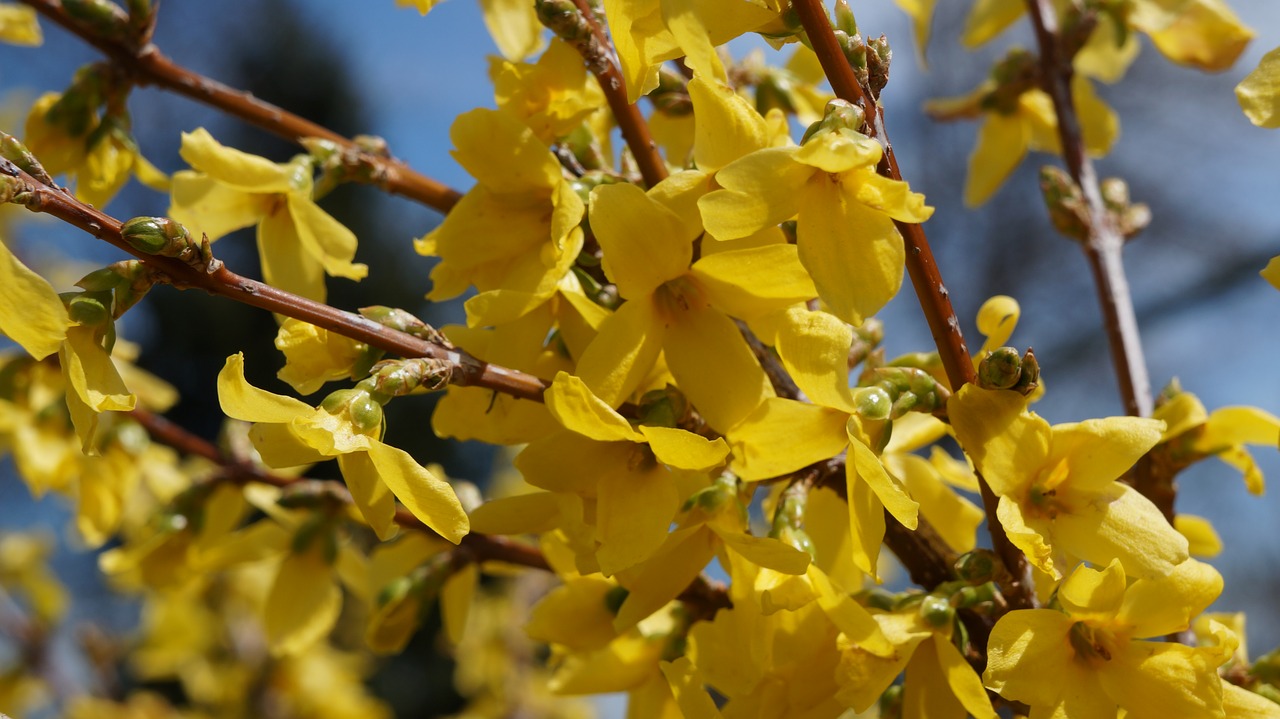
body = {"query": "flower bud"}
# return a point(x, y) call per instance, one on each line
point(876, 598)
point(1068, 210)
point(662, 407)
point(844, 18)
point(976, 567)
point(88, 309)
point(872, 403)
point(937, 611)
point(1000, 369)
point(106, 18)
point(879, 55)
point(974, 595)
point(358, 405)
point(1029, 379)
point(153, 235)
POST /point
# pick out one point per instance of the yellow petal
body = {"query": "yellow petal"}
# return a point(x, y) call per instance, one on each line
point(866, 519)
point(1100, 450)
point(532, 513)
point(1152, 680)
point(202, 204)
point(514, 27)
point(1207, 35)
point(1180, 414)
point(1164, 605)
point(964, 683)
point(1259, 93)
point(303, 604)
point(374, 500)
point(672, 568)
point(623, 352)
point(575, 614)
point(31, 313)
point(1002, 143)
point(286, 263)
point(892, 494)
point(1098, 122)
point(279, 447)
point(988, 18)
point(502, 153)
point(1240, 703)
point(18, 25)
point(996, 319)
point(428, 497)
point(634, 508)
point(857, 271)
point(1122, 525)
point(1093, 593)
point(1202, 539)
point(714, 367)
point(571, 402)
point(241, 400)
point(543, 461)
point(752, 282)
point(892, 197)
point(955, 518)
point(766, 552)
point(92, 374)
point(839, 151)
point(814, 347)
point(726, 127)
point(1238, 425)
point(239, 170)
point(644, 243)
point(325, 239)
point(761, 190)
point(455, 601)
point(686, 685)
point(1006, 443)
point(1030, 638)
point(685, 450)
point(783, 435)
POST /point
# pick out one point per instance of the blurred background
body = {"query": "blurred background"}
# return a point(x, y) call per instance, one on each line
point(1211, 179)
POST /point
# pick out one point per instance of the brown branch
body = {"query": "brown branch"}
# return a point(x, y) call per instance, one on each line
point(146, 65)
point(1103, 248)
point(576, 23)
point(466, 370)
point(934, 297)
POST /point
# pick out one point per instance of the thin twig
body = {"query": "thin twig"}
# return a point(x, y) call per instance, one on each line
point(934, 297)
point(1103, 249)
point(466, 370)
point(148, 66)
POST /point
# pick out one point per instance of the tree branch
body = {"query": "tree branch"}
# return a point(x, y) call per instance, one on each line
point(466, 370)
point(934, 297)
point(148, 66)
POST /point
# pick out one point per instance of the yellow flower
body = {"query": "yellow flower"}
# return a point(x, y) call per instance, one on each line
point(515, 234)
point(681, 311)
point(348, 426)
point(298, 242)
point(1057, 485)
point(24, 572)
point(553, 96)
point(314, 355)
point(845, 234)
point(31, 313)
point(1086, 661)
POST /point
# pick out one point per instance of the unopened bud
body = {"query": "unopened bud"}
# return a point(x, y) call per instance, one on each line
point(1067, 208)
point(872, 403)
point(879, 55)
point(976, 567)
point(1000, 369)
point(844, 18)
point(88, 309)
point(357, 404)
point(165, 237)
point(105, 18)
point(937, 611)
point(877, 598)
point(1029, 379)
point(974, 595)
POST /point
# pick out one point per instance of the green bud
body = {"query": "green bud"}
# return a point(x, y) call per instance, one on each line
point(937, 611)
point(877, 598)
point(1029, 378)
point(662, 407)
point(1065, 202)
point(907, 600)
point(1000, 369)
point(844, 18)
point(872, 403)
point(976, 567)
point(101, 280)
point(614, 598)
point(106, 18)
point(838, 115)
point(152, 235)
point(974, 595)
point(87, 309)
point(358, 405)
point(879, 55)
point(12, 149)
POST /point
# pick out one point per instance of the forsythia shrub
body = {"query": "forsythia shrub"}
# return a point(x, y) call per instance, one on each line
point(671, 339)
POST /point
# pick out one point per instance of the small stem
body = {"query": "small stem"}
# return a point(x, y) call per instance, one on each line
point(935, 299)
point(148, 66)
point(601, 60)
point(467, 370)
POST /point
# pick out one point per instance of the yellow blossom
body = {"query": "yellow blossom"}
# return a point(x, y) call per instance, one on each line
point(18, 25)
point(845, 211)
point(314, 355)
point(552, 96)
point(297, 241)
point(1259, 97)
point(1057, 485)
point(1085, 660)
point(347, 426)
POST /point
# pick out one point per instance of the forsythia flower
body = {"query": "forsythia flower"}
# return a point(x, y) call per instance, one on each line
point(1085, 661)
point(18, 25)
point(298, 242)
point(348, 426)
point(845, 211)
point(515, 234)
point(552, 96)
point(1057, 485)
